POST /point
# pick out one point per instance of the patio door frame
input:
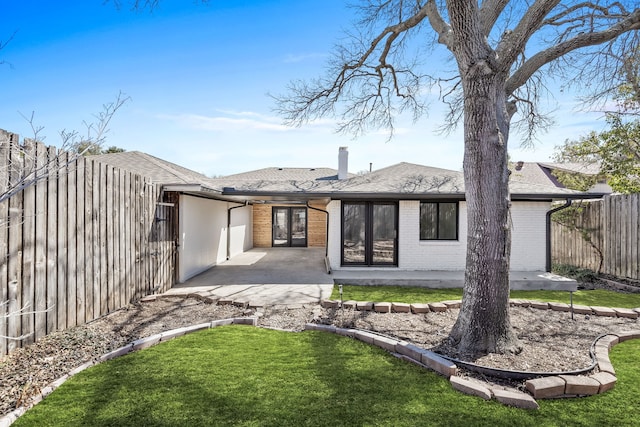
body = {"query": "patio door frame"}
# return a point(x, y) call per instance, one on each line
point(289, 215)
point(368, 229)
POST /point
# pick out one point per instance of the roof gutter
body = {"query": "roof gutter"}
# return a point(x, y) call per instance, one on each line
point(280, 196)
point(326, 238)
point(567, 203)
point(229, 227)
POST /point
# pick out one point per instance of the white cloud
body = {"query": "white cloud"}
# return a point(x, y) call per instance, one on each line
point(246, 121)
point(242, 121)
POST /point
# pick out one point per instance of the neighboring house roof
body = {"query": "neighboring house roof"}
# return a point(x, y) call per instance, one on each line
point(533, 173)
point(591, 169)
point(158, 170)
point(541, 173)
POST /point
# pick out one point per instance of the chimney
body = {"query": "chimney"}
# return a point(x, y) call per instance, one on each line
point(343, 163)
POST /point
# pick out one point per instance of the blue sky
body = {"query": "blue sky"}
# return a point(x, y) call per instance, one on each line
point(199, 78)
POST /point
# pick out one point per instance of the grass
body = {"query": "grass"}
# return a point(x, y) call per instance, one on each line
point(244, 376)
point(411, 294)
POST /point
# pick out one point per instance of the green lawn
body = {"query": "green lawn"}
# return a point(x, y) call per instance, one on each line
point(246, 376)
point(411, 294)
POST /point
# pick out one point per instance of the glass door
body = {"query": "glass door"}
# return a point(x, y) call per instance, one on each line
point(369, 233)
point(353, 233)
point(383, 234)
point(289, 226)
point(298, 233)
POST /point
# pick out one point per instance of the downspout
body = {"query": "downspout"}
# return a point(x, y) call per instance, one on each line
point(567, 203)
point(229, 227)
point(326, 238)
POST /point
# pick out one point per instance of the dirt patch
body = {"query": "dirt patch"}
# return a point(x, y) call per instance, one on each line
point(552, 341)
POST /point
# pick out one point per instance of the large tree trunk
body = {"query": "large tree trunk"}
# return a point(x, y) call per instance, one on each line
point(483, 325)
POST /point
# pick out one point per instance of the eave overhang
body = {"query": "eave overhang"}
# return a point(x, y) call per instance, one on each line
point(271, 196)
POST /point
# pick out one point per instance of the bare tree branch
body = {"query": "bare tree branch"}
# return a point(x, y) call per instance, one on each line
point(32, 172)
point(629, 23)
point(514, 42)
point(17, 313)
point(490, 11)
point(4, 43)
point(139, 5)
point(370, 76)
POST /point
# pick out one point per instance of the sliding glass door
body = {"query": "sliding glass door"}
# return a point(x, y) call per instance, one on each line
point(369, 233)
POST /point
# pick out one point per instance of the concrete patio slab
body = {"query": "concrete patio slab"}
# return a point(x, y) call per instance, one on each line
point(265, 277)
point(519, 280)
point(293, 276)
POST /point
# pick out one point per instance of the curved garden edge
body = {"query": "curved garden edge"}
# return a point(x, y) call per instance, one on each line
point(547, 386)
point(561, 385)
point(139, 344)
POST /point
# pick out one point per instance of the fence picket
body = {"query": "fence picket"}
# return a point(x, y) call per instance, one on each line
point(52, 240)
point(40, 283)
point(80, 242)
point(14, 254)
point(88, 238)
point(62, 240)
point(27, 302)
point(5, 147)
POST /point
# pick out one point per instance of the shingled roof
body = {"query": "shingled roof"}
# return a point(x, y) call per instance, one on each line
point(158, 170)
point(402, 180)
point(406, 180)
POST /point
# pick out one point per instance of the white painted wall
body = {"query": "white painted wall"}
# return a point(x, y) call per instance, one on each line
point(335, 233)
point(528, 243)
point(203, 234)
point(528, 236)
point(416, 254)
point(241, 230)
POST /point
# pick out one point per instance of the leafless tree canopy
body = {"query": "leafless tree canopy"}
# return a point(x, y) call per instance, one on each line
point(385, 67)
point(140, 5)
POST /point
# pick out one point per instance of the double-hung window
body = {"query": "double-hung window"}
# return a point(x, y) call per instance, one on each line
point(438, 220)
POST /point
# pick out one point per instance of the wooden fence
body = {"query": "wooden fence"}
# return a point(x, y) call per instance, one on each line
point(601, 235)
point(82, 240)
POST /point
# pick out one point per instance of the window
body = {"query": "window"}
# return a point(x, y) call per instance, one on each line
point(438, 220)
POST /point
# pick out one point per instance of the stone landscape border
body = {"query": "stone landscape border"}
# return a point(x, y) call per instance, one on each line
point(555, 386)
point(551, 385)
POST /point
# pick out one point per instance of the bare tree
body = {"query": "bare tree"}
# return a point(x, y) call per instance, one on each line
point(503, 50)
point(23, 170)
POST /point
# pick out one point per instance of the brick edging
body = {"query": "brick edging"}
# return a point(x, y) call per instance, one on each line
point(556, 386)
point(139, 344)
point(417, 308)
